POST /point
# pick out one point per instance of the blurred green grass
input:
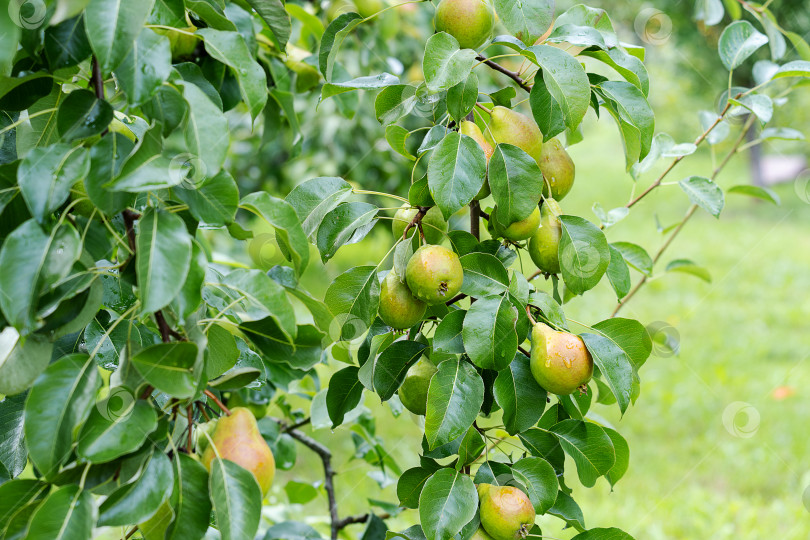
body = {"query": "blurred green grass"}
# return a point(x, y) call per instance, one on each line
point(743, 338)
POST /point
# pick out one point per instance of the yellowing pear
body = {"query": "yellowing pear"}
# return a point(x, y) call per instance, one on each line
point(519, 230)
point(558, 170)
point(472, 130)
point(433, 224)
point(399, 308)
point(506, 512)
point(434, 274)
point(560, 361)
point(469, 21)
point(511, 127)
point(414, 390)
point(237, 438)
point(545, 242)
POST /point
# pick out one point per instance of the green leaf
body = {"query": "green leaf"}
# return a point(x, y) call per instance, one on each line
point(214, 202)
point(526, 20)
point(448, 337)
point(589, 446)
point(106, 436)
point(490, 336)
point(603, 534)
point(584, 254)
point(461, 98)
point(13, 454)
point(447, 503)
point(66, 43)
point(445, 64)
point(758, 192)
point(68, 513)
point(622, 456)
point(332, 39)
point(192, 506)
point(353, 298)
point(371, 82)
point(21, 360)
point(565, 80)
point(455, 396)
point(759, 104)
point(230, 49)
point(46, 175)
point(484, 275)
point(627, 65)
point(410, 484)
point(797, 68)
point(615, 366)
point(568, 510)
point(236, 498)
point(392, 365)
point(618, 273)
point(552, 310)
point(20, 93)
point(519, 395)
point(206, 133)
point(472, 445)
point(689, 267)
point(394, 102)
point(456, 172)
point(262, 297)
point(629, 335)
point(212, 13)
point(540, 481)
point(169, 367)
point(164, 257)
point(397, 136)
point(315, 198)
point(145, 68)
point(291, 530)
point(344, 394)
point(57, 404)
point(516, 183)
point(738, 42)
point(709, 11)
point(274, 14)
point(138, 500)
point(633, 109)
point(704, 193)
point(18, 499)
point(107, 157)
point(282, 215)
point(636, 256)
point(112, 27)
point(347, 224)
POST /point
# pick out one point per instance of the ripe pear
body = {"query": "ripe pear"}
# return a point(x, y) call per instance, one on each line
point(519, 230)
point(506, 512)
point(560, 361)
point(545, 242)
point(433, 224)
point(237, 438)
point(511, 127)
point(558, 170)
point(469, 21)
point(367, 8)
point(399, 308)
point(434, 274)
point(414, 390)
point(472, 130)
point(480, 534)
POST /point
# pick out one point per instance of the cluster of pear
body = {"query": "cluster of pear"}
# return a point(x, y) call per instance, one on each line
point(506, 513)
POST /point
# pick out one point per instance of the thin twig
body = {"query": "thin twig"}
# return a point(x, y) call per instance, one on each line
point(524, 351)
point(458, 298)
point(302, 423)
point(216, 400)
point(345, 522)
point(500, 69)
point(475, 219)
point(416, 221)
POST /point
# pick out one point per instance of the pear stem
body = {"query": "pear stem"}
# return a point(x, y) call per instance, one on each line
point(216, 400)
point(529, 314)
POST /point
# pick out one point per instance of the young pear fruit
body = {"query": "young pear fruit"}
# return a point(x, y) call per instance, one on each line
point(433, 224)
point(472, 130)
point(237, 438)
point(469, 21)
point(399, 308)
point(511, 127)
point(519, 230)
point(506, 512)
point(367, 8)
point(414, 390)
point(558, 170)
point(434, 274)
point(545, 242)
point(560, 361)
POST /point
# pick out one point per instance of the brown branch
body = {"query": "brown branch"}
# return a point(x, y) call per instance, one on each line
point(190, 424)
point(147, 391)
point(458, 298)
point(500, 69)
point(345, 522)
point(475, 219)
point(678, 159)
point(216, 400)
point(98, 81)
point(416, 221)
point(302, 423)
point(524, 351)
point(130, 218)
point(163, 326)
point(202, 411)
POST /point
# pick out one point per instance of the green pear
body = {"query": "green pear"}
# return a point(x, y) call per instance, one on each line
point(480, 534)
point(469, 21)
point(558, 170)
point(545, 242)
point(433, 224)
point(338, 8)
point(237, 438)
point(519, 230)
point(472, 130)
point(506, 512)
point(399, 308)
point(367, 8)
point(434, 274)
point(414, 390)
point(560, 361)
point(511, 127)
